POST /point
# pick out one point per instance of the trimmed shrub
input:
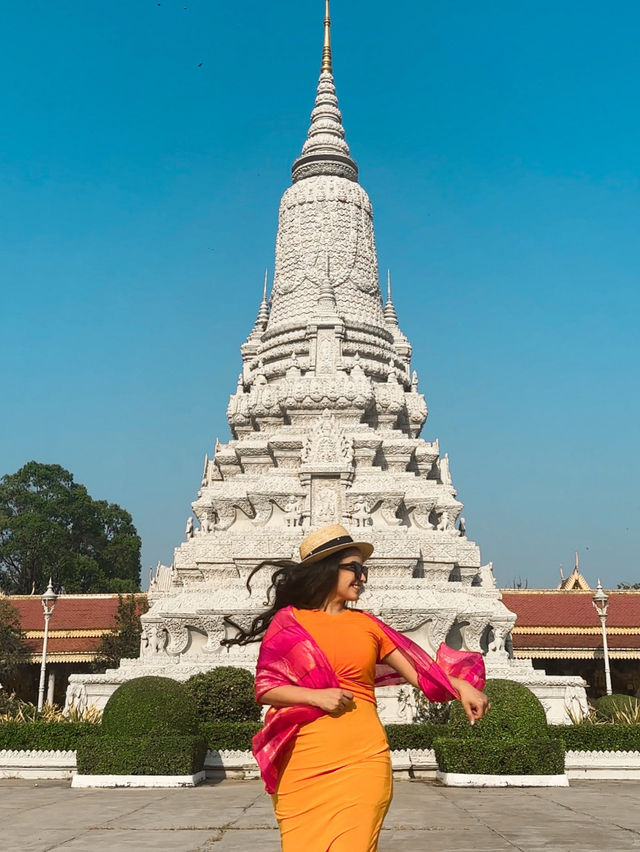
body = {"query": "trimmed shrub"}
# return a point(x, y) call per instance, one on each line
point(597, 737)
point(610, 708)
point(401, 737)
point(225, 694)
point(150, 705)
point(229, 736)
point(44, 736)
point(105, 754)
point(494, 755)
point(515, 712)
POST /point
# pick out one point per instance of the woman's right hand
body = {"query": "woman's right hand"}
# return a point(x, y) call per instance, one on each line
point(333, 701)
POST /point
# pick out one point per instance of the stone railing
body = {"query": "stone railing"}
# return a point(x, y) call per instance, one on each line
point(411, 763)
point(37, 764)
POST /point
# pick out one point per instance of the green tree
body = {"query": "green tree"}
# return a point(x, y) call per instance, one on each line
point(124, 641)
point(50, 526)
point(13, 650)
point(628, 586)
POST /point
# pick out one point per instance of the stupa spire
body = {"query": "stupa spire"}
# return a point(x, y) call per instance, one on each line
point(326, 48)
point(325, 151)
point(250, 346)
point(390, 315)
point(263, 310)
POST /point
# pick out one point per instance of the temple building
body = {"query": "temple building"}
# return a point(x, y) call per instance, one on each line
point(326, 423)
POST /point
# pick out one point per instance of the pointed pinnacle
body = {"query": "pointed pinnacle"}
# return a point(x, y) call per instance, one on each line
point(326, 48)
point(389, 311)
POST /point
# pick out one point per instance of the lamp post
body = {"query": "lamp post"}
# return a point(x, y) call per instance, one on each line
point(601, 604)
point(48, 599)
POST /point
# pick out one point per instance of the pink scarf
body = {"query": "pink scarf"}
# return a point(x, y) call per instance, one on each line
point(289, 656)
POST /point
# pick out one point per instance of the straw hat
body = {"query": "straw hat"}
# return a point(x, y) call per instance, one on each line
point(328, 540)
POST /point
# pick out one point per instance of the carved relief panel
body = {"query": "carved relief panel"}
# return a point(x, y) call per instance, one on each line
point(326, 500)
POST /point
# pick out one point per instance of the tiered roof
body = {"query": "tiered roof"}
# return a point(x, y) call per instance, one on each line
point(76, 627)
point(564, 624)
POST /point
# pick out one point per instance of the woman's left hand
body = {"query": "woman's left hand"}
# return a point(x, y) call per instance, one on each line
point(475, 703)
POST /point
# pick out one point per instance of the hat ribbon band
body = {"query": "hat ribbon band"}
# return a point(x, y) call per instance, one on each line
point(343, 539)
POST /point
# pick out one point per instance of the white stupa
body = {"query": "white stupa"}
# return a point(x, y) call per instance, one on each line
point(325, 423)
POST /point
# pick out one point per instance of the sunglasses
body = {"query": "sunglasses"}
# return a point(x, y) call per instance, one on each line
point(358, 569)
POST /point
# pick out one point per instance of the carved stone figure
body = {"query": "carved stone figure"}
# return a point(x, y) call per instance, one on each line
point(445, 472)
point(188, 531)
point(462, 526)
point(444, 522)
point(361, 512)
point(293, 508)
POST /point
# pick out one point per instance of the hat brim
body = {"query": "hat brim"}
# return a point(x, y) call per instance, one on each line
point(365, 548)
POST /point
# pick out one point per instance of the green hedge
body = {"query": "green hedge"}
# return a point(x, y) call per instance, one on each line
point(597, 737)
point(229, 736)
point(403, 737)
point(43, 736)
point(515, 712)
point(610, 707)
point(103, 754)
point(225, 694)
point(146, 705)
point(500, 756)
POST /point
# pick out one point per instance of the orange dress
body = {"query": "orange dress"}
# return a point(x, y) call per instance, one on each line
point(336, 784)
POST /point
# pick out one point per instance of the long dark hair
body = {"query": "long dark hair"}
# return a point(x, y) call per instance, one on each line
point(305, 586)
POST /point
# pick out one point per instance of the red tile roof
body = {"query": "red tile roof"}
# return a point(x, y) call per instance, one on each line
point(575, 640)
point(571, 608)
point(71, 612)
point(77, 624)
point(65, 645)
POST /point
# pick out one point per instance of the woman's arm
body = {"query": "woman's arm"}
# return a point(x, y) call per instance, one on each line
point(329, 700)
point(474, 702)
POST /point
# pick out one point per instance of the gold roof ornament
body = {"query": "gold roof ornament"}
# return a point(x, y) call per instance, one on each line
point(575, 581)
point(326, 48)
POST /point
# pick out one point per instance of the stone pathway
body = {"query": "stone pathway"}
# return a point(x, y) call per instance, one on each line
point(236, 816)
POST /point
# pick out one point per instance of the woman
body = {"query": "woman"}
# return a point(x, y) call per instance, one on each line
point(323, 753)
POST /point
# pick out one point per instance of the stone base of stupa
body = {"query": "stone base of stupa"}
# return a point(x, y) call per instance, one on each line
point(563, 698)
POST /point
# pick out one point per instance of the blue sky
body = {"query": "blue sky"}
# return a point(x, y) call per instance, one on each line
point(144, 148)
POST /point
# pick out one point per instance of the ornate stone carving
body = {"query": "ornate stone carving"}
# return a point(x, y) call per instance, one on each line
point(361, 511)
point(326, 501)
point(445, 472)
point(293, 509)
point(327, 450)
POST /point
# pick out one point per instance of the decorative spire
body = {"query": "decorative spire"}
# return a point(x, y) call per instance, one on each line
point(263, 311)
point(250, 346)
point(326, 49)
point(325, 151)
point(326, 298)
point(390, 315)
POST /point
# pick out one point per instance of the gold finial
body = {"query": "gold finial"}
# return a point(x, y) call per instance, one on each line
point(326, 49)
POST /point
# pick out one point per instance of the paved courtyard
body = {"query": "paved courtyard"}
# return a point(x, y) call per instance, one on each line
point(233, 816)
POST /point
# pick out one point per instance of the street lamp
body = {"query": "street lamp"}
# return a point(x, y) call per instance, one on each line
point(48, 599)
point(601, 604)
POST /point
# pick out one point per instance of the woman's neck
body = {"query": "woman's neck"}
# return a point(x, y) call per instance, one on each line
point(333, 607)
